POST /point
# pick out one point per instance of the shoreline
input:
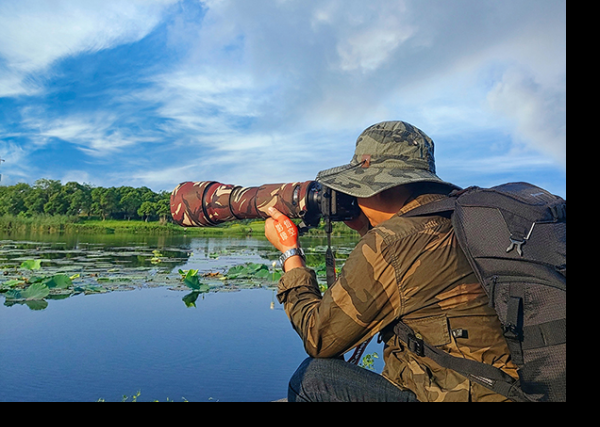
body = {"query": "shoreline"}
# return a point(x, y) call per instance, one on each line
point(46, 224)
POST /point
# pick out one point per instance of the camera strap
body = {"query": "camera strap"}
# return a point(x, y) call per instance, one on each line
point(329, 258)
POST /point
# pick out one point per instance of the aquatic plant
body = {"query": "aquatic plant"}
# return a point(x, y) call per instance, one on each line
point(243, 275)
point(253, 271)
point(368, 361)
point(60, 271)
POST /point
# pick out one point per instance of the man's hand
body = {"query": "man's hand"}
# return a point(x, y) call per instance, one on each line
point(283, 234)
point(281, 231)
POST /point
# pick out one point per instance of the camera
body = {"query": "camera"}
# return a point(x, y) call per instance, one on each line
point(209, 203)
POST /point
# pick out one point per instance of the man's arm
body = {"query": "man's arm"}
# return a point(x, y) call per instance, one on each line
point(364, 299)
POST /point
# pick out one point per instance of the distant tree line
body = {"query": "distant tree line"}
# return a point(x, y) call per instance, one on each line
point(50, 197)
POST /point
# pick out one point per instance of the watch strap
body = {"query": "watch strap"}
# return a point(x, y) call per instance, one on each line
point(290, 253)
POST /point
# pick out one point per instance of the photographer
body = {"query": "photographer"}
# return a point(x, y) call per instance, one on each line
point(403, 268)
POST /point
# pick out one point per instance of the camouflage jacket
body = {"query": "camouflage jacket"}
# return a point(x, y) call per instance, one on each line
point(412, 269)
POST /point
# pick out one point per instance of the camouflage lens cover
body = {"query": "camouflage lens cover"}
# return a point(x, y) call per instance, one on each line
point(209, 203)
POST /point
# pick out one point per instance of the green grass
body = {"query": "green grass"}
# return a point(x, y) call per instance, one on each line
point(39, 223)
point(71, 224)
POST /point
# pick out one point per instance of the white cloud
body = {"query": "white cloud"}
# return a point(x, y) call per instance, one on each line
point(202, 100)
point(172, 176)
point(299, 79)
point(35, 33)
point(12, 84)
point(267, 76)
point(366, 34)
point(15, 166)
point(340, 64)
point(538, 113)
point(95, 134)
point(80, 176)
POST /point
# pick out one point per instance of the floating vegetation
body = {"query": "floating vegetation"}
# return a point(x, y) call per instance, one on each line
point(59, 273)
point(254, 271)
point(33, 273)
point(247, 275)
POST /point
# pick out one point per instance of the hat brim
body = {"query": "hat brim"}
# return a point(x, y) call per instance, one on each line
point(356, 181)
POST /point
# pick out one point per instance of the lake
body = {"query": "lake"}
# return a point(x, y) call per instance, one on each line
point(127, 322)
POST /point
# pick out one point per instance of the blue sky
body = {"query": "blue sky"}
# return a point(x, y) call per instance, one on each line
point(247, 92)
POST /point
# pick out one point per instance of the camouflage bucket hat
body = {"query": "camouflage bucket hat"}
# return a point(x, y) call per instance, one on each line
point(387, 154)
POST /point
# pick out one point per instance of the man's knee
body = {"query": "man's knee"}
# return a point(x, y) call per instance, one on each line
point(306, 383)
point(318, 380)
point(334, 380)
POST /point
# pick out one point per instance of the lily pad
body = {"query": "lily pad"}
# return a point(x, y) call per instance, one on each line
point(9, 284)
point(192, 281)
point(37, 291)
point(32, 264)
point(59, 281)
point(253, 271)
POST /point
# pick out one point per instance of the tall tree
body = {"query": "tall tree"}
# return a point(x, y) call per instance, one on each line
point(12, 201)
point(104, 201)
point(79, 197)
point(130, 201)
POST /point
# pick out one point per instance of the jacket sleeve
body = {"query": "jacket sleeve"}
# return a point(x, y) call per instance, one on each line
point(364, 299)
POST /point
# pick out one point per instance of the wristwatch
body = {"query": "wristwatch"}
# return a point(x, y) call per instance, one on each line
point(290, 253)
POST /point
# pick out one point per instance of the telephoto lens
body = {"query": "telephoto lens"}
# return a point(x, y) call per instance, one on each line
point(210, 203)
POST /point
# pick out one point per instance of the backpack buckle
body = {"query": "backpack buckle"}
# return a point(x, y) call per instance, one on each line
point(511, 332)
point(415, 344)
point(518, 244)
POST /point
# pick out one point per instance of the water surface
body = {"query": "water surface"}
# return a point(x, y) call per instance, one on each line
point(236, 344)
point(231, 347)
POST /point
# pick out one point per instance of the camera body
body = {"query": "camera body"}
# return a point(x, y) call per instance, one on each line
point(324, 202)
point(209, 203)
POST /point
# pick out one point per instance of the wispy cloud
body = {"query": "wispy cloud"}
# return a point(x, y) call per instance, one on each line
point(354, 64)
point(271, 90)
point(537, 113)
point(18, 167)
point(98, 134)
point(204, 102)
point(34, 34)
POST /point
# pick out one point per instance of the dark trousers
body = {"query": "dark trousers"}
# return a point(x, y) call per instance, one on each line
point(333, 380)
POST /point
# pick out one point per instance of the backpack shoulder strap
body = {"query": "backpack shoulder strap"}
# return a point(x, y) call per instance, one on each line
point(447, 204)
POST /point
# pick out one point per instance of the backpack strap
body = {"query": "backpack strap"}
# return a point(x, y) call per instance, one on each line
point(513, 327)
point(480, 373)
point(446, 204)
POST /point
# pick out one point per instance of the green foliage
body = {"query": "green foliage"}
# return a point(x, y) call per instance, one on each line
point(252, 274)
point(135, 397)
point(50, 197)
point(59, 281)
point(32, 264)
point(33, 288)
point(36, 291)
point(191, 280)
point(253, 271)
point(368, 361)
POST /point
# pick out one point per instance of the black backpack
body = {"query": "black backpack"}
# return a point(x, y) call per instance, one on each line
point(514, 237)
